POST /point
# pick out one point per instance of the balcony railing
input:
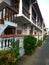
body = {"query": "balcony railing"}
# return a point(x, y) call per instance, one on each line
point(5, 43)
point(26, 12)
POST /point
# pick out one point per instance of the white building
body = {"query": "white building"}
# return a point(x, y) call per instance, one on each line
point(19, 18)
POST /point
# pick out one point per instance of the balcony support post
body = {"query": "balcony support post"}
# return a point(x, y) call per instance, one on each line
point(20, 7)
point(30, 10)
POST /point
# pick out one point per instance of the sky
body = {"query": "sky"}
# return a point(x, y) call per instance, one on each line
point(44, 8)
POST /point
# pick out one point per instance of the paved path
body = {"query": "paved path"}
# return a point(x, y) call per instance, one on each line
point(40, 57)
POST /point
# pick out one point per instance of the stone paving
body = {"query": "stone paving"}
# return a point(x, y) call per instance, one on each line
point(40, 57)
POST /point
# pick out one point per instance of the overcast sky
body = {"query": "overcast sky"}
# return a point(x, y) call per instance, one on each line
point(44, 7)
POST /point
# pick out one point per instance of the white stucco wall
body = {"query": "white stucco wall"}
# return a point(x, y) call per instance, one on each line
point(26, 30)
point(21, 51)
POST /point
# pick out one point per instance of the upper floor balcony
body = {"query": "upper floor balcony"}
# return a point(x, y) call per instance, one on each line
point(18, 12)
point(22, 7)
point(7, 13)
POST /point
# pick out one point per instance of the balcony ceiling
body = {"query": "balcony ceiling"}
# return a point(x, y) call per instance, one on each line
point(22, 20)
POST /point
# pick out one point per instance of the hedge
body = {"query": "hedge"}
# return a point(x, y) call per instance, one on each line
point(39, 43)
point(29, 44)
point(6, 58)
point(10, 57)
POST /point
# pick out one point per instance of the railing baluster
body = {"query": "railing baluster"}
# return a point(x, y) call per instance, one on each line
point(2, 15)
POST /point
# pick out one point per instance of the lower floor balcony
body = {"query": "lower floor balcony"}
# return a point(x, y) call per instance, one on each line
point(18, 35)
point(6, 39)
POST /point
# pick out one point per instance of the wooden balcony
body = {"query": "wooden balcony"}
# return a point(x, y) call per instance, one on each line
point(6, 12)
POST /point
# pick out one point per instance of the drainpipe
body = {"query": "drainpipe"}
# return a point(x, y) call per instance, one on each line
point(42, 31)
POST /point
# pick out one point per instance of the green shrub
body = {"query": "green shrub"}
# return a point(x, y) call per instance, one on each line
point(39, 43)
point(10, 57)
point(6, 58)
point(29, 44)
point(44, 37)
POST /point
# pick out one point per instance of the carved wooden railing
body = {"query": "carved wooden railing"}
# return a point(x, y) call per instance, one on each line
point(26, 12)
point(17, 35)
point(6, 12)
point(16, 6)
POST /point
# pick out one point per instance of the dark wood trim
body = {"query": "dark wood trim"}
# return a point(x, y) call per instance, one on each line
point(5, 14)
point(2, 15)
point(17, 35)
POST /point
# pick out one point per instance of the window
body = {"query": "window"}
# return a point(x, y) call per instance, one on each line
point(19, 31)
point(35, 33)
